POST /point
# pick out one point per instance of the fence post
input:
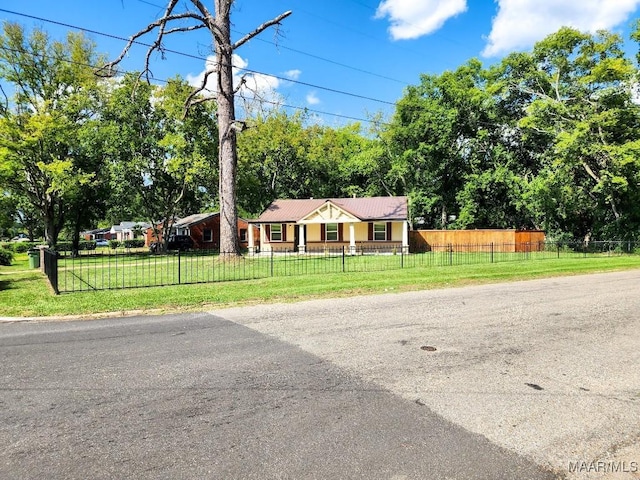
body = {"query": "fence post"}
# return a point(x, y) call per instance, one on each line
point(450, 254)
point(491, 252)
point(55, 270)
point(271, 268)
point(402, 257)
point(558, 245)
point(50, 265)
point(179, 269)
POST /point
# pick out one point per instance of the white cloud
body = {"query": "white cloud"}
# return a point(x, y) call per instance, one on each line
point(414, 18)
point(257, 86)
point(312, 98)
point(293, 74)
point(521, 23)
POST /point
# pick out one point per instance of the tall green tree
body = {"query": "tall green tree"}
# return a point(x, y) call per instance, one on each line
point(438, 128)
point(272, 163)
point(576, 90)
point(158, 154)
point(8, 216)
point(282, 156)
point(54, 98)
point(87, 197)
point(338, 162)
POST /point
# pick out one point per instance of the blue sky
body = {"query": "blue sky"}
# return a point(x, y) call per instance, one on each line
point(346, 59)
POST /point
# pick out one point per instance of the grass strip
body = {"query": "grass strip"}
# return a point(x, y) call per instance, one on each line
point(26, 293)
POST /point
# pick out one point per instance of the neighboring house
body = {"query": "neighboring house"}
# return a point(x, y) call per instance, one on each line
point(97, 234)
point(204, 230)
point(127, 230)
point(301, 225)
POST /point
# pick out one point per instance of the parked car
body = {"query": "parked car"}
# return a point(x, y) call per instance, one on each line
point(102, 243)
point(176, 242)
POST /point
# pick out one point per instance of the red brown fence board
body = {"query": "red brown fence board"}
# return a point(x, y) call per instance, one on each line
point(499, 240)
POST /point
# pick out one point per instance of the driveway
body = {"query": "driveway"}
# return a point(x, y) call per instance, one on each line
point(548, 369)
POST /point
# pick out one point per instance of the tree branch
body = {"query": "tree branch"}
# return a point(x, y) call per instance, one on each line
point(203, 85)
point(243, 81)
point(208, 19)
point(160, 23)
point(264, 26)
point(589, 171)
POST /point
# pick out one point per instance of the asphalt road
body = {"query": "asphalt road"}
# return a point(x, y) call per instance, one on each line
point(519, 380)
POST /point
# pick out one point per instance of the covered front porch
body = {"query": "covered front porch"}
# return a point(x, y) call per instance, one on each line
point(330, 226)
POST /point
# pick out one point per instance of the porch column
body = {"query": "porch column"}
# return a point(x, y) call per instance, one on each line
point(405, 237)
point(251, 243)
point(302, 243)
point(352, 239)
point(264, 246)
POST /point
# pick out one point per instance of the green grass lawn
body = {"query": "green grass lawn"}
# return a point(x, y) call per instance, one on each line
point(26, 293)
point(102, 272)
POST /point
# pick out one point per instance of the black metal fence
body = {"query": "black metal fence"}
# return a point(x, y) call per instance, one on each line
point(109, 270)
point(50, 262)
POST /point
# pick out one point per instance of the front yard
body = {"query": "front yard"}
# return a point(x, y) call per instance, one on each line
point(26, 293)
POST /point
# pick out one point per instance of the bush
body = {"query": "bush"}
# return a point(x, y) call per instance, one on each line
point(23, 247)
point(6, 257)
point(63, 247)
point(82, 245)
point(137, 243)
point(114, 244)
point(87, 245)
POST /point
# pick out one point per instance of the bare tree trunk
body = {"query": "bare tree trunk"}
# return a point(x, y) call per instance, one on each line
point(228, 157)
point(53, 222)
point(219, 25)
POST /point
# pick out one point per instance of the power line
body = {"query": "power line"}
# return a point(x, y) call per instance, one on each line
point(255, 72)
point(306, 54)
point(160, 80)
point(320, 112)
point(317, 57)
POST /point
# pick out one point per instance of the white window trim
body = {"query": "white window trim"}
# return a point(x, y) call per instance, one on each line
point(384, 232)
point(336, 231)
point(204, 236)
point(279, 226)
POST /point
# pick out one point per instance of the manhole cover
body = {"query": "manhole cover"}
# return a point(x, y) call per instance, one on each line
point(428, 348)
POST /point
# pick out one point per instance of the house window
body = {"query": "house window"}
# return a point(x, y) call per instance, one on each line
point(243, 235)
point(332, 232)
point(379, 231)
point(207, 235)
point(276, 233)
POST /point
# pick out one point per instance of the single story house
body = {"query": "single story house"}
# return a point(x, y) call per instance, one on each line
point(304, 224)
point(97, 234)
point(127, 230)
point(204, 230)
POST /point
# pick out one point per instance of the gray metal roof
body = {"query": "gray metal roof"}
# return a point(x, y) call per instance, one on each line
point(194, 219)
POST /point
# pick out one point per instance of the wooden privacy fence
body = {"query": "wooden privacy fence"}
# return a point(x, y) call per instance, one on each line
point(476, 240)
